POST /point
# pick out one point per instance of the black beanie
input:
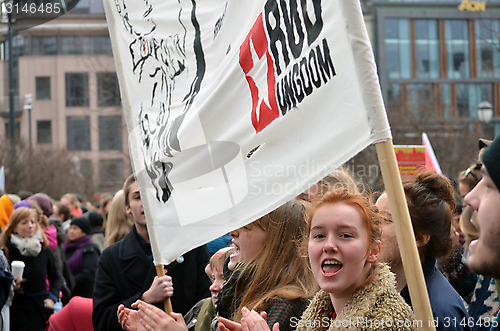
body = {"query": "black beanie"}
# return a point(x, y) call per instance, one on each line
point(491, 160)
point(82, 223)
point(95, 219)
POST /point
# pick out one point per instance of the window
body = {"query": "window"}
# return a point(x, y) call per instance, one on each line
point(110, 133)
point(88, 7)
point(446, 101)
point(72, 45)
point(470, 95)
point(102, 45)
point(78, 133)
point(427, 48)
point(44, 45)
point(77, 90)
point(457, 45)
point(394, 95)
point(85, 169)
point(488, 54)
point(44, 132)
point(397, 44)
point(42, 88)
point(421, 101)
point(108, 91)
point(111, 173)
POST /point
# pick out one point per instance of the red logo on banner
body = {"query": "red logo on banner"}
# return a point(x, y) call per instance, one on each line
point(264, 104)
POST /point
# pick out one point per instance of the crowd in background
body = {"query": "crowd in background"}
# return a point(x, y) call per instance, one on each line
point(330, 254)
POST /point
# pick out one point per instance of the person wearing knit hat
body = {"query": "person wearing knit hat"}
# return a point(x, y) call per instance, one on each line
point(484, 256)
point(22, 203)
point(81, 256)
point(83, 224)
point(97, 233)
point(45, 203)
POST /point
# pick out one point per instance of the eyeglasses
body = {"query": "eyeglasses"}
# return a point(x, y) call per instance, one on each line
point(469, 171)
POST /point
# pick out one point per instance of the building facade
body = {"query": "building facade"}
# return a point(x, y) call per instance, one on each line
point(67, 67)
point(439, 56)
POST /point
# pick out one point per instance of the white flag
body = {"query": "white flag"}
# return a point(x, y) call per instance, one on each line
point(2, 178)
point(234, 107)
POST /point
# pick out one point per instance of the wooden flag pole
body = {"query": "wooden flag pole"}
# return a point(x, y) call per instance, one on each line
point(160, 271)
point(404, 234)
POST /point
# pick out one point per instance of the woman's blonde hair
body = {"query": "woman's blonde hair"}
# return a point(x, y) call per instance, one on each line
point(17, 216)
point(339, 179)
point(119, 222)
point(471, 176)
point(280, 270)
point(470, 231)
point(73, 199)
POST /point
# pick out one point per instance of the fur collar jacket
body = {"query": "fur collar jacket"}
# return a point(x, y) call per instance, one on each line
point(376, 306)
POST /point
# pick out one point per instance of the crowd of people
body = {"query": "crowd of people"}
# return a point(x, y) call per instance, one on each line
point(326, 260)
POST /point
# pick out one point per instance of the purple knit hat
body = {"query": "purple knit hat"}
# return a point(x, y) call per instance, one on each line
point(45, 202)
point(22, 203)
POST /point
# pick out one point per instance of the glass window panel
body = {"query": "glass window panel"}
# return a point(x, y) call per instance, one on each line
point(397, 47)
point(435, 1)
point(110, 133)
point(88, 7)
point(108, 90)
point(77, 90)
point(421, 101)
point(77, 45)
point(78, 133)
point(44, 132)
point(488, 52)
point(446, 101)
point(44, 45)
point(470, 95)
point(86, 169)
point(42, 88)
point(19, 46)
point(102, 45)
point(394, 94)
point(427, 48)
point(111, 172)
point(457, 45)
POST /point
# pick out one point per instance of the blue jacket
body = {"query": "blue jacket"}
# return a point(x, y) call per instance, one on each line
point(447, 306)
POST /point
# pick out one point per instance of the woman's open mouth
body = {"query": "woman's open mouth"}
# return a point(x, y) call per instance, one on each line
point(330, 267)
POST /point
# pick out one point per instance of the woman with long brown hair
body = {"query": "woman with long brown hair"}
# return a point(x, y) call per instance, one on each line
point(23, 240)
point(271, 275)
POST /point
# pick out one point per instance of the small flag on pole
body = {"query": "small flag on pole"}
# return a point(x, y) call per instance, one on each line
point(431, 161)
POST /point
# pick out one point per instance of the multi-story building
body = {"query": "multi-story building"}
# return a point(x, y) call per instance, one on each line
point(67, 67)
point(440, 55)
point(437, 61)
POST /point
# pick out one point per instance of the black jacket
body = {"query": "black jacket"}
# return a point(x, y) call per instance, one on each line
point(125, 272)
point(27, 311)
point(83, 281)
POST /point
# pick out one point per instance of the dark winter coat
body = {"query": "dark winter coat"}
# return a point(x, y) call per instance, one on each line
point(83, 281)
point(28, 311)
point(447, 305)
point(125, 272)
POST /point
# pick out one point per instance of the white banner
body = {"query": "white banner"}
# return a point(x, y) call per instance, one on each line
point(234, 107)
